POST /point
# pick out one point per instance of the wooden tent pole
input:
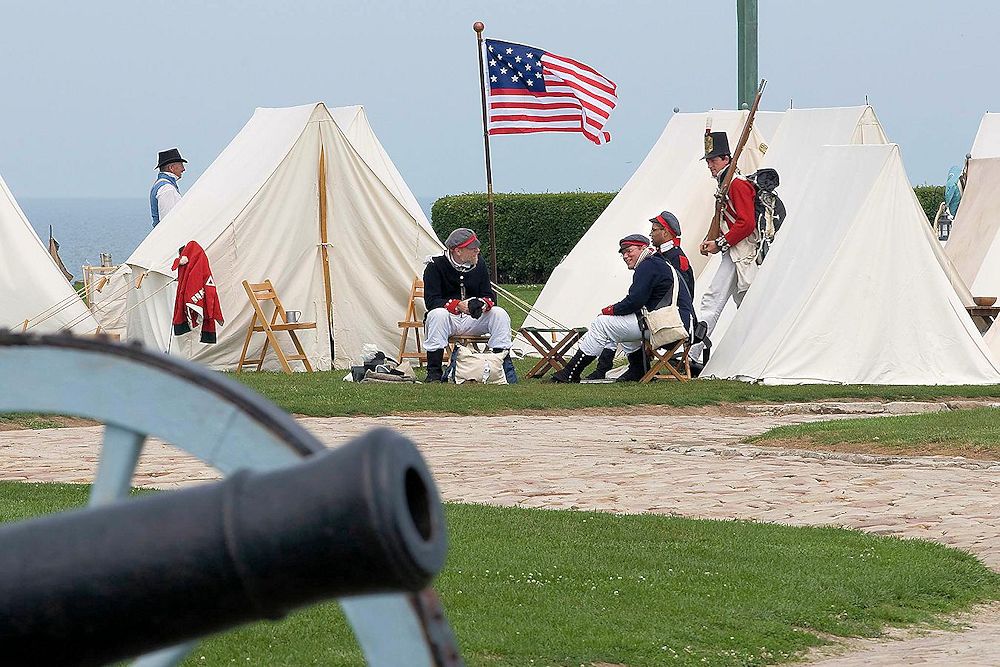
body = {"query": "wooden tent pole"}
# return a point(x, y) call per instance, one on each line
point(324, 239)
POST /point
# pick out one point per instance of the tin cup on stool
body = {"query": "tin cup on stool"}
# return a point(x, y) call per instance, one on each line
point(293, 316)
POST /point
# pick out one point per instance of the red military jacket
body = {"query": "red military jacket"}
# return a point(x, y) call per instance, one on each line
point(739, 213)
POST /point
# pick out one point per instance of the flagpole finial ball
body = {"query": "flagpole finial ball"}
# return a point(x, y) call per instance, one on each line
point(677, 109)
point(478, 26)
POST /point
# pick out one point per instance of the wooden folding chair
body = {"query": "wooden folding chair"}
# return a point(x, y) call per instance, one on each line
point(410, 322)
point(660, 367)
point(258, 293)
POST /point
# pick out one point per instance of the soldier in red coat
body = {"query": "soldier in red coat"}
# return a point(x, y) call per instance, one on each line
point(737, 241)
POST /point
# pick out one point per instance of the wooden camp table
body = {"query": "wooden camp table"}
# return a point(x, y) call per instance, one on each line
point(988, 313)
point(553, 351)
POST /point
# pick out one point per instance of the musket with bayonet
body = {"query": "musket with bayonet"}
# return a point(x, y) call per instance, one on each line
point(714, 230)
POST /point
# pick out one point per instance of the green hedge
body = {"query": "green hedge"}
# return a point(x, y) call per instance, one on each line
point(534, 231)
point(930, 197)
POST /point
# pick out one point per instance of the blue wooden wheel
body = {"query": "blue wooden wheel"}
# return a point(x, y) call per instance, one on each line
point(137, 394)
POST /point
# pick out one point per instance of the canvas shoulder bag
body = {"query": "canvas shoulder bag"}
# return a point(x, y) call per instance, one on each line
point(482, 367)
point(664, 324)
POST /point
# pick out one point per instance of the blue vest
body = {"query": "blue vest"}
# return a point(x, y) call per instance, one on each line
point(163, 178)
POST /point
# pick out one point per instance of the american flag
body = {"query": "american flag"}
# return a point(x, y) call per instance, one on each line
point(532, 90)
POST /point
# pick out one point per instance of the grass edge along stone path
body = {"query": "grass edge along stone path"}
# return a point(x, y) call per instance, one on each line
point(548, 587)
point(972, 434)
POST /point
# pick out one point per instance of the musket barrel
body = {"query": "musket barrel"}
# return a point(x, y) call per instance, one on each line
point(98, 585)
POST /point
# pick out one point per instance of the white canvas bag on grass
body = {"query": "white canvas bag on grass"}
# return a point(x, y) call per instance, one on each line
point(482, 367)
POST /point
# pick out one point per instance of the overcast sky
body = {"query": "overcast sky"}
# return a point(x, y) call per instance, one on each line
point(92, 90)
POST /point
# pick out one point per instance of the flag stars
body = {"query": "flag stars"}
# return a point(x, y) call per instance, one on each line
point(510, 51)
point(491, 49)
point(503, 70)
point(514, 78)
point(530, 82)
point(517, 59)
point(493, 63)
point(529, 55)
point(527, 67)
point(493, 79)
point(538, 75)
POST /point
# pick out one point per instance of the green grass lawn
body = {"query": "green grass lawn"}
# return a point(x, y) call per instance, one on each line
point(24, 420)
point(526, 293)
point(541, 587)
point(970, 433)
point(324, 394)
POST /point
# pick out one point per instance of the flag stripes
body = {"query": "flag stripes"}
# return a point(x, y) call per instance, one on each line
point(532, 90)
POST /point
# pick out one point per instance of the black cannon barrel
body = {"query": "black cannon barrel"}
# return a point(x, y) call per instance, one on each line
point(97, 585)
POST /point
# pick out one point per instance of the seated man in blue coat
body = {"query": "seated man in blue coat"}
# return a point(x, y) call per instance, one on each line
point(665, 234)
point(652, 287)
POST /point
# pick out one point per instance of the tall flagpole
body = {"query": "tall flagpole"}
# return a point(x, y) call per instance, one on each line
point(479, 27)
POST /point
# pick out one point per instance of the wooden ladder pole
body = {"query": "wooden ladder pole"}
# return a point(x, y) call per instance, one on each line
point(323, 236)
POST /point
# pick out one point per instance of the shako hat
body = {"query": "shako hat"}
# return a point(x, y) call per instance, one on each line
point(169, 156)
point(716, 144)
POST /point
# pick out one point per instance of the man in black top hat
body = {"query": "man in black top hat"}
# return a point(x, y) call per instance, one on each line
point(165, 194)
point(737, 241)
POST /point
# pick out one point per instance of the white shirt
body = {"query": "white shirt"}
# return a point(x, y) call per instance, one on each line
point(166, 198)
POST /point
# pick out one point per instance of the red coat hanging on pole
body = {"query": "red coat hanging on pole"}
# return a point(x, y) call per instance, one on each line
point(197, 299)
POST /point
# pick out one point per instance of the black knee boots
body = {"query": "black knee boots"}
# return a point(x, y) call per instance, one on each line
point(434, 370)
point(574, 368)
point(605, 363)
point(636, 367)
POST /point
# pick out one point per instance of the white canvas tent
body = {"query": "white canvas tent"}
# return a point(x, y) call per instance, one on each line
point(34, 289)
point(992, 340)
point(673, 177)
point(795, 146)
point(974, 244)
point(854, 293)
point(261, 211)
point(987, 141)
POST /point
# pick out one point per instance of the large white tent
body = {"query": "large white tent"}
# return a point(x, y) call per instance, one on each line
point(854, 292)
point(34, 289)
point(987, 141)
point(974, 244)
point(293, 181)
point(795, 146)
point(672, 177)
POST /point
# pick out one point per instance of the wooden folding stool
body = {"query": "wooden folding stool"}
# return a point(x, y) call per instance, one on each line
point(259, 293)
point(660, 367)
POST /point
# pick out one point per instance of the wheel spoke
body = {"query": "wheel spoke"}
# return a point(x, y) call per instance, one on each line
point(116, 466)
point(167, 657)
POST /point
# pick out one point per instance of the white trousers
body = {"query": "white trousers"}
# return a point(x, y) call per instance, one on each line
point(607, 331)
point(440, 324)
point(715, 298)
